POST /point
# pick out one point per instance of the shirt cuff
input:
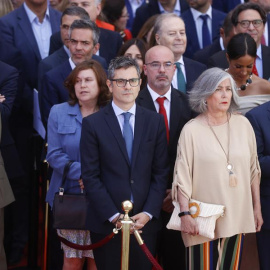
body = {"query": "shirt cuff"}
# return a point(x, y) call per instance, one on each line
point(149, 215)
point(113, 217)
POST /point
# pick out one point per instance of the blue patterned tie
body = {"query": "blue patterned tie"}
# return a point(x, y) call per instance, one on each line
point(205, 31)
point(181, 83)
point(128, 134)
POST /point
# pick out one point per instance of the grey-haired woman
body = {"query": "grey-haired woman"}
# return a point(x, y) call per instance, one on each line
point(217, 164)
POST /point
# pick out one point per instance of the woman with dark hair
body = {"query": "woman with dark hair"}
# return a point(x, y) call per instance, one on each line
point(135, 49)
point(116, 14)
point(88, 92)
point(251, 89)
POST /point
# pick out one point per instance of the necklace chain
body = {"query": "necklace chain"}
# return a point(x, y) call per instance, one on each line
point(229, 165)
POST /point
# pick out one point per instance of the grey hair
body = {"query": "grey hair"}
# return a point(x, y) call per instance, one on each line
point(161, 18)
point(86, 24)
point(76, 11)
point(206, 85)
point(122, 62)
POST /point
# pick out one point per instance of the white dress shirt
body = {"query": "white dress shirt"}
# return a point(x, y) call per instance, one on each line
point(199, 23)
point(167, 101)
point(182, 65)
point(42, 30)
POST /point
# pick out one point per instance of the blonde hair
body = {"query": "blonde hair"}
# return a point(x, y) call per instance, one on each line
point(5, 7)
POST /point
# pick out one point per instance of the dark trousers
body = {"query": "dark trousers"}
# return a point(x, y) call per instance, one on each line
point(108, 257)
point(171, 249)
point(263, 243)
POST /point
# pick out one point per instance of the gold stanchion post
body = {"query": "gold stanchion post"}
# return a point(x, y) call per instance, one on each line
point(126, 223)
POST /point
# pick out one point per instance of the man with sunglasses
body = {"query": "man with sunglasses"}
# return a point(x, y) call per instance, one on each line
point(124, 157)
point(248, 18)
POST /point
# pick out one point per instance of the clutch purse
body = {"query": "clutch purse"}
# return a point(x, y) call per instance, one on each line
point(69, 210)
point(205, 215)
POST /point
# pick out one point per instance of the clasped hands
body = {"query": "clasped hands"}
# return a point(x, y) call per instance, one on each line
point(139, 221)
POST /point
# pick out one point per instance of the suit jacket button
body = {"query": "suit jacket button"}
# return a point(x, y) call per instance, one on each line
point(132, 181)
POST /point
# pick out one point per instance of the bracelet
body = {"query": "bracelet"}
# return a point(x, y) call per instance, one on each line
point(185, 213)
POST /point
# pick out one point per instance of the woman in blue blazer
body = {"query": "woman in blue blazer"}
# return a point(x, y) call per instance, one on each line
point(88, 92)
point(259, 118)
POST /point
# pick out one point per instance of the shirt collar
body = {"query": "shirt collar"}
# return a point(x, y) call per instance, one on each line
point(176, 9)
point(155, 95)
point(196, 14)
point(67, 50)
point(181, 60)
point(32, 16)
point(72, 64)
point(118, 111)
point(259, 52)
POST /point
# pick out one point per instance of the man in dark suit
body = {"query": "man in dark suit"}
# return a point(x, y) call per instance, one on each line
point(69, 15)
point(259, 118)
point(110, 41)
point(118, 167)
point(178, 114)
point(83, 44)
point(153, 7)
point(176, 42)
point(25, 33)
point(248, 12)
point(14, 221)
point(194, 23)
point(226, 33)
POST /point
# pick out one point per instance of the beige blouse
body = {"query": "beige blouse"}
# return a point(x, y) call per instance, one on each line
point(201, 173)
point(246, 103)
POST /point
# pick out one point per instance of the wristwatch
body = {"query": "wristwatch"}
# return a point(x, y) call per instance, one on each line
point(185, 213)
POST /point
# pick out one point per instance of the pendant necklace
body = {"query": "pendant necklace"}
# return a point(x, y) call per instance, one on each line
point(232, 177)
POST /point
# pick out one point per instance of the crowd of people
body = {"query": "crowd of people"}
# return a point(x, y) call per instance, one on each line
point(157, 102)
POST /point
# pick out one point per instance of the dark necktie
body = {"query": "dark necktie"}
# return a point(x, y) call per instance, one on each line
point(254, 69)
point(162, 111)
point(181, 83)
point(205, 31)
point(128, 134)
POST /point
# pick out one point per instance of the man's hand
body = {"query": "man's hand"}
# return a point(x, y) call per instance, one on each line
point(2, 98)
point(140, 220)
point(81, 183)
point(167, 205)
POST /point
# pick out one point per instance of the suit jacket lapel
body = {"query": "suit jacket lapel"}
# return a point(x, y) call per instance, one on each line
point(113, 123)
point(138, 131)
point(268, 110)
point(24, 24)
point(54, 20)
point(145, 100)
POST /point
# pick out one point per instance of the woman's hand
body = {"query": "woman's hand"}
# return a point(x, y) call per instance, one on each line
point(189, 225)
point(258, 219)
point(81, 183)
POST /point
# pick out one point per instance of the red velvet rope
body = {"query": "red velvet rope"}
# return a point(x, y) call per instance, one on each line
point(87, 247)
point(150, 257)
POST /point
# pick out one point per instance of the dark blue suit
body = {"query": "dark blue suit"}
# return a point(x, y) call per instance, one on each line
point(225, 5)
point(204, 54)
point(193, 70)
point(110, 179)
point(147, 10)
point(17, 33)
point(191, 32)
point(259, 118)
point(171, 244)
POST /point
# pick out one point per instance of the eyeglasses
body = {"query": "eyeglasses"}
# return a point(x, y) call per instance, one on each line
point(157, 65)
point(122, 82)
point(246, 23)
